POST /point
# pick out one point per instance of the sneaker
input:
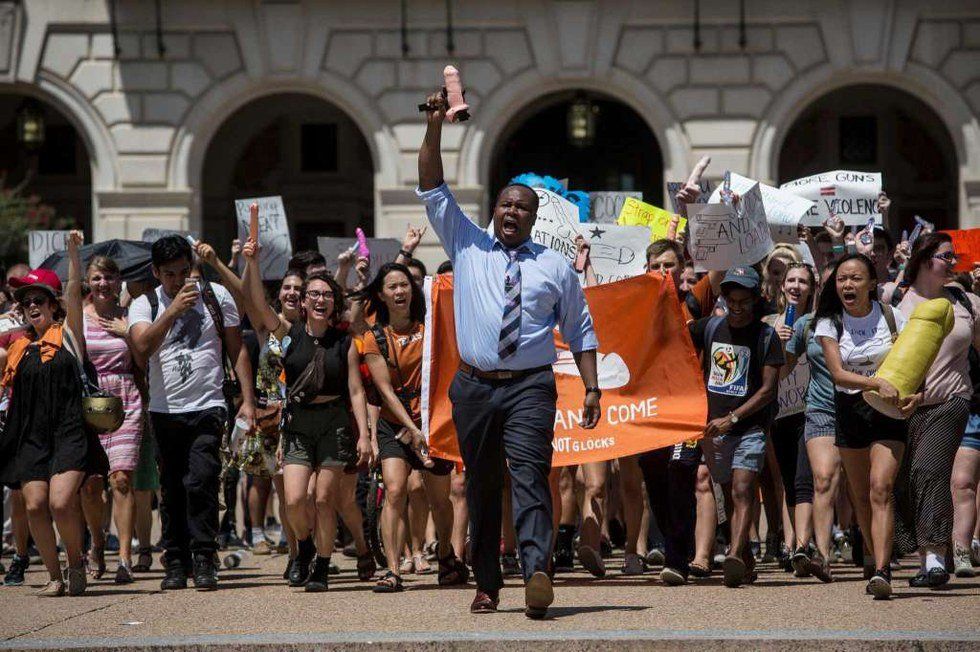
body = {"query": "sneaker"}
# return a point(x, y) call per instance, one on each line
point(633, 565)
point(123, 574)
point(591, 561)
point(263, 547)
point(75, 580)
point(15, 575)
point(975, 552)
point(755, 547)
point(672, 577)
point(656, 557)
point(205, 575)
point(605, 548)
point(175, 577)
point(538, 596)
point(319, 576)
point(962, 566)
point(820, 568)
point(144, 560)
point(801, 562)
point(880, 584)
point(509, 566)
point(53, 589)
point(735, 571)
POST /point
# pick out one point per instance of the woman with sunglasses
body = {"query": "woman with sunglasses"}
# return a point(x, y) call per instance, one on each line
point(788, 450)
point(937, 426)
point(856, 332)
point(45, 448)
point(323, 382)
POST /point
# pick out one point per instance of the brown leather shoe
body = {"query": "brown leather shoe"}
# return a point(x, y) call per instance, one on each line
point(485, 602)
point(538, 596)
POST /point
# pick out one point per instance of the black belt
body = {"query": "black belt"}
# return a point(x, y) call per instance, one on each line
point(500, 374)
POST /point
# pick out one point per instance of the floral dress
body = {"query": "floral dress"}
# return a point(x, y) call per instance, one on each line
point(257, 455)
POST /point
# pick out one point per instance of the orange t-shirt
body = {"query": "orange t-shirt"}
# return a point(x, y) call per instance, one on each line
point(404, 366)
point(705, 297)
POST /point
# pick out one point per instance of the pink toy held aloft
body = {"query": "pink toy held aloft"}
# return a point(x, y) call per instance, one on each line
point(459, 110)
point(362, 247)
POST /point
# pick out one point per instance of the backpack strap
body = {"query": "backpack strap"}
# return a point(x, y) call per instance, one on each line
point(889, 314)
point(765, 337)
point(961, 298)
point(382, 341)
point(154, 300)
point(214, 308)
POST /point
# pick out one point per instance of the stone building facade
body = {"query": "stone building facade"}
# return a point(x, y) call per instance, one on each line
point(147, 115)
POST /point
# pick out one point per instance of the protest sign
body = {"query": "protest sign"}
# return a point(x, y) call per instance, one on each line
point(638, 213)
point(383, 250)
point(966, 243)
point(653, 392)
point(274, 240)
point(784, 210)
point(673, 187)
point(617, 251)
point(41, 244)
point(152, 235)
point(606, 205)
point(853, 196)
point(792, 389)
point(722, 236)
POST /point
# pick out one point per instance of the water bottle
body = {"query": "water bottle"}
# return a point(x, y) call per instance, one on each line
point(235, 559)
point(790, 315)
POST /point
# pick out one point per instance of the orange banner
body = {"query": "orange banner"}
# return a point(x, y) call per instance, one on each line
point(653, 391)
point(966, 243)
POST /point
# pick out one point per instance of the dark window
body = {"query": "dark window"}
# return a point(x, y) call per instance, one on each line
point(859, 140)
point(58, 154)
point(318, 147)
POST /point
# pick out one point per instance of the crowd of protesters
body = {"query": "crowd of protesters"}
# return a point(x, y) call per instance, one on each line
point(234, 390)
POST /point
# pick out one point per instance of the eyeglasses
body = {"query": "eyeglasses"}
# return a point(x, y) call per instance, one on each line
point(949, 257)
point(37, 300)
point(315, 295)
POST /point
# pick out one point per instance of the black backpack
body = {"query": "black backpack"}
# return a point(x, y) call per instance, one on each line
point(974, 357)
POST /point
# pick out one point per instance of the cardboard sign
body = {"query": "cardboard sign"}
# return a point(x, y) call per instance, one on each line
point(653, 392)
point(853, 196)
point(383, 250)
point(617, 251)
point(274, 240)
point(673, 187)
point(721, 236)
point(606, 205)
point(41, 244)
point(637, 213)
point(784, 210)
point(792, 389)
point(966, 243)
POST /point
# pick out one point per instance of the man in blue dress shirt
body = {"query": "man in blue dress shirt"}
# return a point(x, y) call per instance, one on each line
point(509, 295)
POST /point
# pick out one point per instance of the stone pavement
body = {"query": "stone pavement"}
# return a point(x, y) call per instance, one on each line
point(254, 609)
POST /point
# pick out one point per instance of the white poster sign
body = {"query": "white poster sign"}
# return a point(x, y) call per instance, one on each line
point(721, 236)
point(792, 389)
point(605, 206)
point(41, 244)
point(274, 240)
point(383, 250)
point(673, 187)
point(853, 196)
point(617, 251)
point(784, 210)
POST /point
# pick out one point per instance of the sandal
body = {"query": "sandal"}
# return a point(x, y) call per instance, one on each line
point(407, 566)
point(697, 570)
point(452, 571)
point(422, 567)
point(144, 560)
point(389, 583)
point(96, 564)
point(366, 567)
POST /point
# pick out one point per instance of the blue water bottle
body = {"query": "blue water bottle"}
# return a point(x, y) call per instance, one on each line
point(790, 315)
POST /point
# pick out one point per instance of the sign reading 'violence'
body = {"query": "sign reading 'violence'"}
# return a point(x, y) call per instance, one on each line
point(853, 196)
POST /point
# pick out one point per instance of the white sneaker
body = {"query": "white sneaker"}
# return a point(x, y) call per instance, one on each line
point(962, 565)
point(672, 577)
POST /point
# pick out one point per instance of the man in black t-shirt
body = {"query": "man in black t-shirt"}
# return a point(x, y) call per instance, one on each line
point(741, 357)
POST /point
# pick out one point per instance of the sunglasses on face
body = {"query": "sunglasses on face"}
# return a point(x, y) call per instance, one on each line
point(949, 257)
point(34, 301)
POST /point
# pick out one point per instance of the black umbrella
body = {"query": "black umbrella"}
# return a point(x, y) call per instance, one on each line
point(132, 257)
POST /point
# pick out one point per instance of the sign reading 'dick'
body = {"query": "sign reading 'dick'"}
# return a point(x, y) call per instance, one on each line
point(605, 206)
point(617, 252)
point(41, 244)
point(723, 236)
point(383, 250)
point(274, 240)
point(784, 210)
point(853, 196)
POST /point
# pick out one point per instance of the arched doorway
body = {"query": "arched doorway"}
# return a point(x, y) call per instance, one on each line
point(596, 142)
point(875, 128)
point(45, 159)
point(294, 145)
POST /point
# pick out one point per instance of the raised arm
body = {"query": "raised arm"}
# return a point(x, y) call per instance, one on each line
point(73, 291)
point(430, 154)
point(413, 236)
point(229, 278)
point(260, 313)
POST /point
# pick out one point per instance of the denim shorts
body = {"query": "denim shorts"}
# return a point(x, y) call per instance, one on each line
point(971, 439)
point(819, 424)
point(724, 453)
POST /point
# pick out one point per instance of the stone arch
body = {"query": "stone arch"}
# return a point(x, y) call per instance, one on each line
point(223, 100)
point(509, 101)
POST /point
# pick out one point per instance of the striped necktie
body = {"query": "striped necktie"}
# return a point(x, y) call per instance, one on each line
point(510, 328)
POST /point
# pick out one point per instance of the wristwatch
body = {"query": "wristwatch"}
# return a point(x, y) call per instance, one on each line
point(733, 417)
point(593, 390)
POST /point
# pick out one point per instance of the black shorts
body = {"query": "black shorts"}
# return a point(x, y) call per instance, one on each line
point(390, 448)
point(859, 425)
